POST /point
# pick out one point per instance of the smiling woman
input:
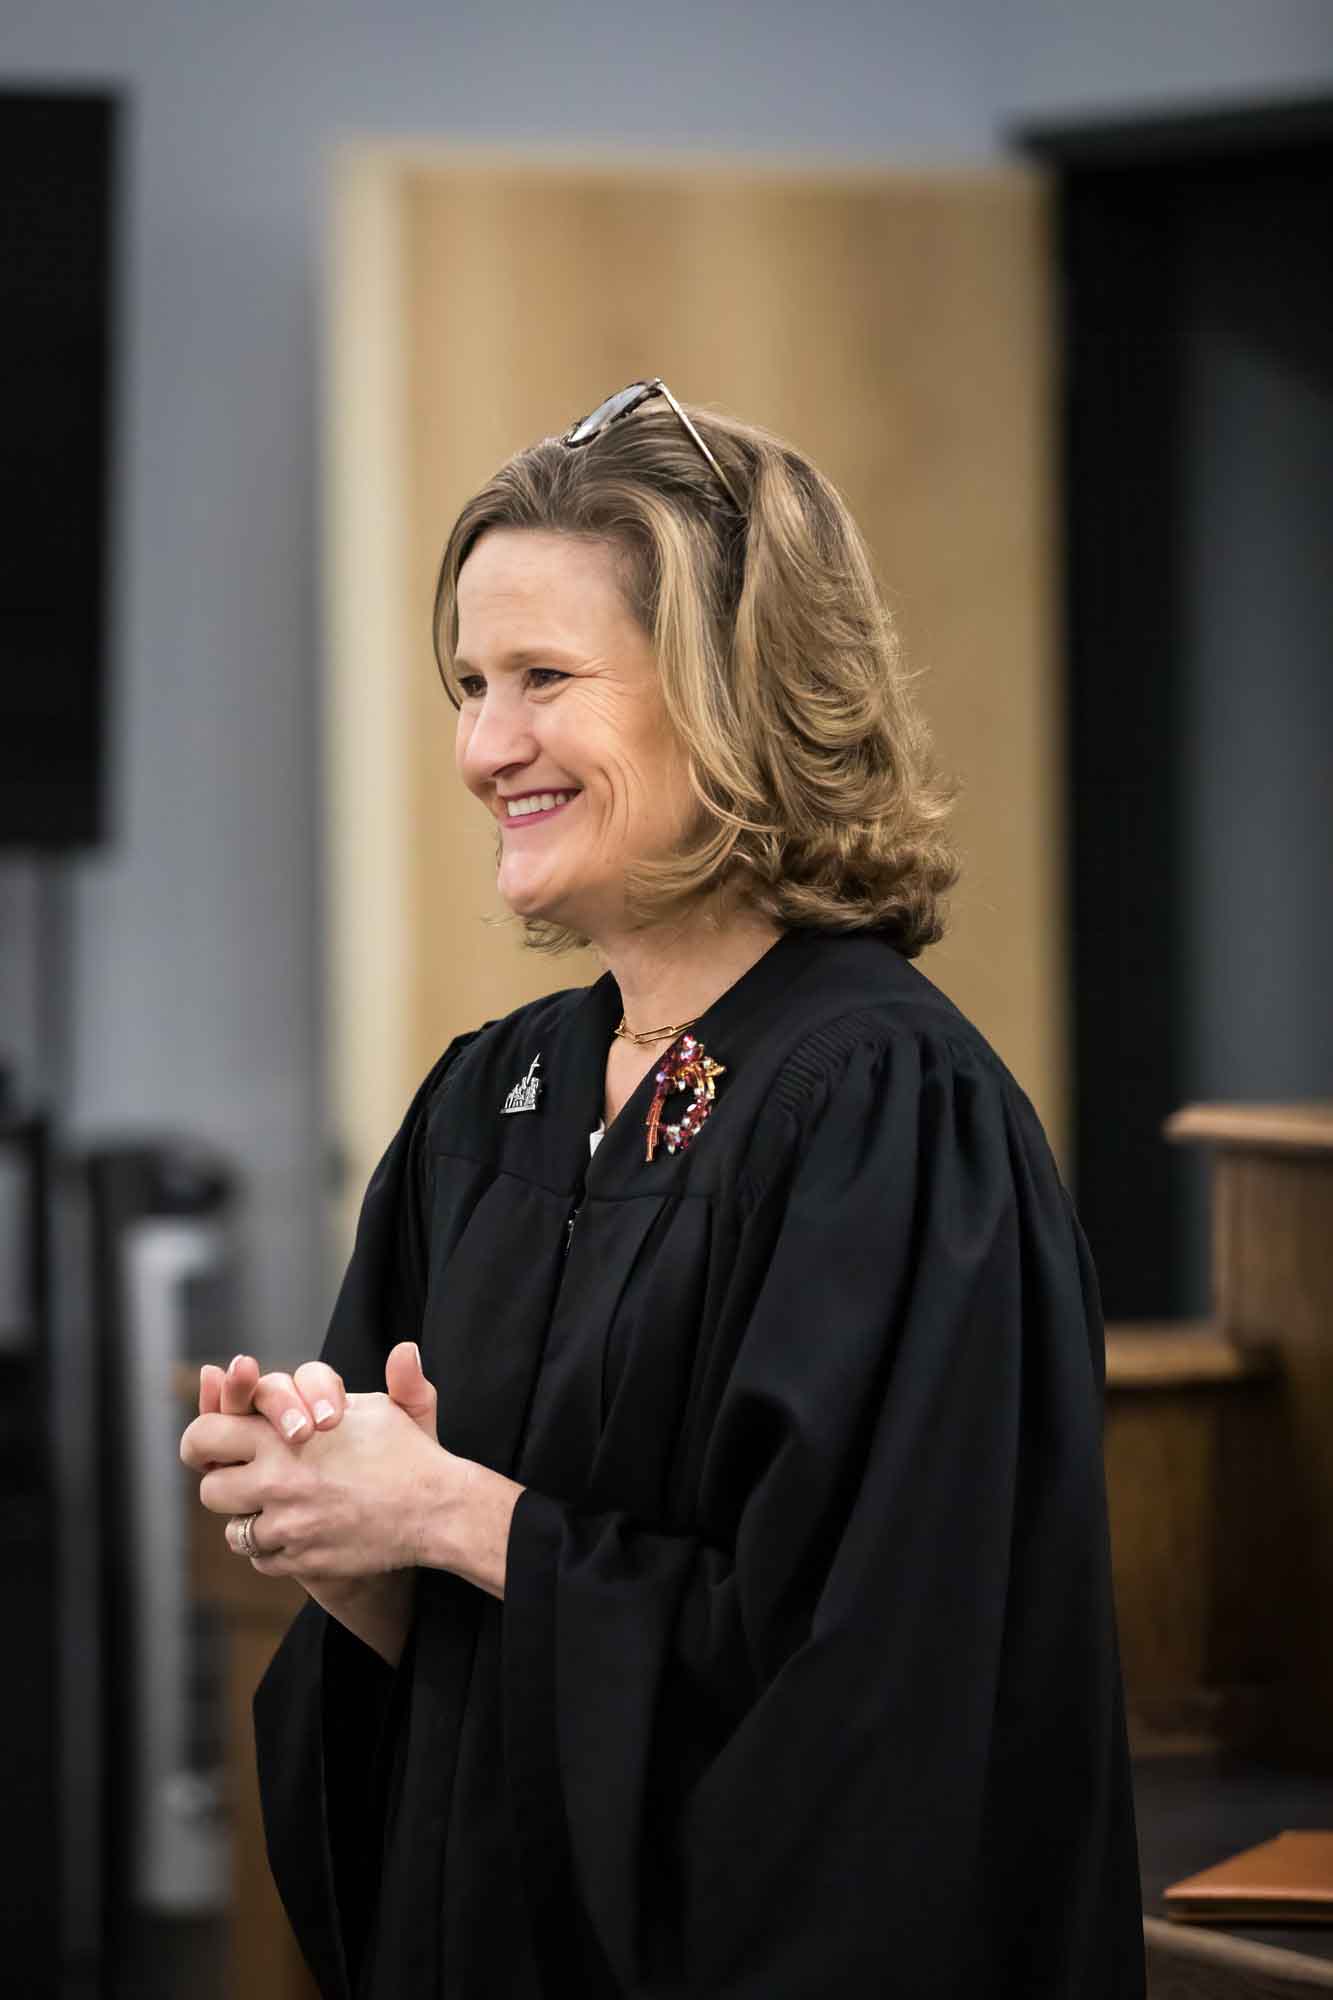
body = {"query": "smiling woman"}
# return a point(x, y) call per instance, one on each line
point(738, 1620)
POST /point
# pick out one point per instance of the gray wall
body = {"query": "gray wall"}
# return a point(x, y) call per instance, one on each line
point(194, 998)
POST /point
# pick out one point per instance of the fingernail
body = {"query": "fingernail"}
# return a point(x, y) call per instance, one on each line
point(417, 1351)
point(324, 1410)
point(234, 1363)
point(293, 1421)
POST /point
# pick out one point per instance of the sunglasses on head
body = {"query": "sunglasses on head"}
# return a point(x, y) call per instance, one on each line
point(627, 400)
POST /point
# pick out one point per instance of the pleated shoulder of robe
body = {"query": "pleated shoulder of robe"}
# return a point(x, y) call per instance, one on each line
point(805, 1682)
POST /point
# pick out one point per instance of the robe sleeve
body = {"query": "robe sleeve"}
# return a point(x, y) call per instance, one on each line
point(322, 1708)
point(863, 1731)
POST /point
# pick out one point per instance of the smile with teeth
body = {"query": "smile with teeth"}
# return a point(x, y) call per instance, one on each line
point(534, 802)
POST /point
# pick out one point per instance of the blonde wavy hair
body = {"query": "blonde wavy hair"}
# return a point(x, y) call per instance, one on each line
point(780, 670)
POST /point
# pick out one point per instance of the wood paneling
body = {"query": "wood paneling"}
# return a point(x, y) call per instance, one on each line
point(894, 325)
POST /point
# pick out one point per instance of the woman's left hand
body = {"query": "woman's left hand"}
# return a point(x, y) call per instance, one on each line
point(307, 1400)
point(354, 1501)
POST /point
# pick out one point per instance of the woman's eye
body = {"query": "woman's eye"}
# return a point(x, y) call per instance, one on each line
point(472, 687)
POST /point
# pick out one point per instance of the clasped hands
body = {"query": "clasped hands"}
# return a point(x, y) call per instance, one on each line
point(347, 1487)
point(343, 1485)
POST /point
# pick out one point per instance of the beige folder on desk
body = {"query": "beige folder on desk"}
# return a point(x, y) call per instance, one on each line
point(1287, 1880)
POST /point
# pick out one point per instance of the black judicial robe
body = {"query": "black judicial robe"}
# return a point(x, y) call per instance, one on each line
point(805, 1684)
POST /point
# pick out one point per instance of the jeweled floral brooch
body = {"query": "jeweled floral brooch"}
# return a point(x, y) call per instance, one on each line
point(684, 1067)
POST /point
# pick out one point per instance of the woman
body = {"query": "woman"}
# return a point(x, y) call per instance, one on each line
point(740, 1622)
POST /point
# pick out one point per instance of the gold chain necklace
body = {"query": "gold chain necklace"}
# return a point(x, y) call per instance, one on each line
point(654, 1034)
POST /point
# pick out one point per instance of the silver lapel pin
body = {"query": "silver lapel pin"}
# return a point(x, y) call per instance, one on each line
point(524, 1095)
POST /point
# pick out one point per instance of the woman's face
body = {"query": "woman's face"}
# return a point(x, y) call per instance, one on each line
point(562, 712)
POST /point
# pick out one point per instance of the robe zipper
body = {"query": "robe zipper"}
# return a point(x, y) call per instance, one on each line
point(569, 1225)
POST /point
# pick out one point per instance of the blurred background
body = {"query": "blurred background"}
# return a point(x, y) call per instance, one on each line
point(1044, 288)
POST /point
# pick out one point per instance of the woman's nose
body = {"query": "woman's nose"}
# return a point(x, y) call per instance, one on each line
point(499, 736)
